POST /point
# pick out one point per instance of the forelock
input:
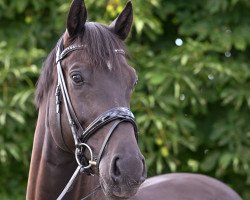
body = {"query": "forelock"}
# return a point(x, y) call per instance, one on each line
point(102, 47)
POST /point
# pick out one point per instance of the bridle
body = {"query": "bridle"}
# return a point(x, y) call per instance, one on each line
point(80, 135)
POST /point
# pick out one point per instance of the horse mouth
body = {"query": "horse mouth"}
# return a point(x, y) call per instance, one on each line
point(123, 194)
point(116, 192)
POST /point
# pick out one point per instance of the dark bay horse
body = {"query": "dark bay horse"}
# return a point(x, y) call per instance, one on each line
point(184, 186)
point(85, 126)
point(84, 122)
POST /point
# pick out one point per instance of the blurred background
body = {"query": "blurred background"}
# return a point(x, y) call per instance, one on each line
point(192, 102)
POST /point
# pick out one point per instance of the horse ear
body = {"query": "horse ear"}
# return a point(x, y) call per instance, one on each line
point(77, 17)
point(122, 24)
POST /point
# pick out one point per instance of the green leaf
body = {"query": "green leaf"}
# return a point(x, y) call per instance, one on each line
point(225, 160)
point(16, 116)
point(210, 161)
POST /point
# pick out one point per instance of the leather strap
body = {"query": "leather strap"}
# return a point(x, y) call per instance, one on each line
point(105, 143)
point(63, 144)
point(107, 117)
point(70, 183)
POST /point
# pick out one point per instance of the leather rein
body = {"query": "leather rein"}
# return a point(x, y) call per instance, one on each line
point(80, 135)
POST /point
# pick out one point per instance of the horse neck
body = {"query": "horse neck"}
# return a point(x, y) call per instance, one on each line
point(51, 168)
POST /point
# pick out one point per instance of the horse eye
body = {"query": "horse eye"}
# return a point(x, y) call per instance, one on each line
point(77, 78)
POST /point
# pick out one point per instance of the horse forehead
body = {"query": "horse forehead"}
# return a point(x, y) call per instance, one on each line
point(118, 63)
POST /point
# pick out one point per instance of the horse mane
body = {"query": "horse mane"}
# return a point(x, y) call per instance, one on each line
point(100, 45)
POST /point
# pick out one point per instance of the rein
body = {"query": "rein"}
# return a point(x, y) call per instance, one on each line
point(80, 135)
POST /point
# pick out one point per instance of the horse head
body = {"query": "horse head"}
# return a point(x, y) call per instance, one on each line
point(93, 83)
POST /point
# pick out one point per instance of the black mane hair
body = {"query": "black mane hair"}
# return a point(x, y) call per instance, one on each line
point(100, 45)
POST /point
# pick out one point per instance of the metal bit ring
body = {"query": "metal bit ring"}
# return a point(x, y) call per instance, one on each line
point(91, 161)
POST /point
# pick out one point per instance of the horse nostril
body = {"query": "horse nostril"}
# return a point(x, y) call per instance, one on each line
point(144, 171)
point(116, 168)
point(115, 173)
point(128, 168)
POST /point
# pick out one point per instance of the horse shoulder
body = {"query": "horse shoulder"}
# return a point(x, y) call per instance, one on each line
point(185, 186)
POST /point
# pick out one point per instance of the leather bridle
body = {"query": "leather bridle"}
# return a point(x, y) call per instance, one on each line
point(117, 115)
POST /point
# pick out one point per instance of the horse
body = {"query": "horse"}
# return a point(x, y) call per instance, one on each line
point(184, 186)
point(86, 139)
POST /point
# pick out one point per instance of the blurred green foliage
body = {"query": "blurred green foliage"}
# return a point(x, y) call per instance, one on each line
point(192, 102)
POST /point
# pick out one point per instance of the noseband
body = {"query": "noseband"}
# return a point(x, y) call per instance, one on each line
point(80, 135)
